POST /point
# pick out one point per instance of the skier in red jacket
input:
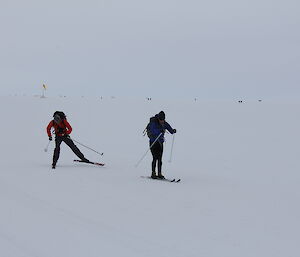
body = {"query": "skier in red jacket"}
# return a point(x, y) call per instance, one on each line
point(62, 130)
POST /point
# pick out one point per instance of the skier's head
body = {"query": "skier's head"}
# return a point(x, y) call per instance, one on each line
point(161, 117)
point(57, 119)
point(59, 116)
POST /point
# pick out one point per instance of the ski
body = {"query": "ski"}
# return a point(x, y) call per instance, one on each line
point(164, 179)
point(95, 163)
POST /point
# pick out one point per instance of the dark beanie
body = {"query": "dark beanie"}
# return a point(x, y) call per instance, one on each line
point(161, 116)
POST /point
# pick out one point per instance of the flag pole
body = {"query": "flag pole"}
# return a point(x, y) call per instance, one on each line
point(44, 90)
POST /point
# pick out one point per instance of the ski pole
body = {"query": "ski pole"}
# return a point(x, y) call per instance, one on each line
point(87, 147)
point(148, 150)
point(171, 155)
point(46, 148)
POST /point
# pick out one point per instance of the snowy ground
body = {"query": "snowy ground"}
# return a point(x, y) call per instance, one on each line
point(239, 194)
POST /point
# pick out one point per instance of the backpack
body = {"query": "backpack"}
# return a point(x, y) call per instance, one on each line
point(147, 129)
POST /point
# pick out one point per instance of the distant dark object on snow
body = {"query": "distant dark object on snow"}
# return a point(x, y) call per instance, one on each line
point(149, 98)
point(260, 100)
point(240, 101)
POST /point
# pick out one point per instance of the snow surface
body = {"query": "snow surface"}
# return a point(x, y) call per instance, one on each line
point(239, 195)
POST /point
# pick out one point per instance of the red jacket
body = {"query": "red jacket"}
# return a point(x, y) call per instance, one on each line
point(61, 129)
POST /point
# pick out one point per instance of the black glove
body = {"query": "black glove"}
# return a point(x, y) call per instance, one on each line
point(50, 138)
point(174, 131)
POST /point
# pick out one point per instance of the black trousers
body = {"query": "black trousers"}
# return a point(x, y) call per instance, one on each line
point(70, 143)
point(157, 153)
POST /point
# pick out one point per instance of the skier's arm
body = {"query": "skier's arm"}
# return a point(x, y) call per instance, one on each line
point(69, 128)
point(50, 125)
point(169, 128)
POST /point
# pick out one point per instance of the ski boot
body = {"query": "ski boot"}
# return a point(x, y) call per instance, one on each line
point(153, 175)
point(160, 176)
point(53, 166)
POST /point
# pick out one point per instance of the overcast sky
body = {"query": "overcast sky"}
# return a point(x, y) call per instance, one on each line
point(192, 48)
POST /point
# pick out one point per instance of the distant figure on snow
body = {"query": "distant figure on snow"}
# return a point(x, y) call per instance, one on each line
point(62, 130)
point(156, 131)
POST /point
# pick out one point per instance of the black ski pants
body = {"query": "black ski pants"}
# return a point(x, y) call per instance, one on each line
point(157, 153)
point(70, 143)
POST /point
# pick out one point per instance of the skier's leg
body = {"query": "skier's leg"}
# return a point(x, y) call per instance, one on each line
point(155, 158)
point(74, 148)
point(153, 166)
point(160, 153)
point(56, 152)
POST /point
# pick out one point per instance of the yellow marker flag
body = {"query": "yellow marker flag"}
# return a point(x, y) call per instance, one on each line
point(44, 86)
